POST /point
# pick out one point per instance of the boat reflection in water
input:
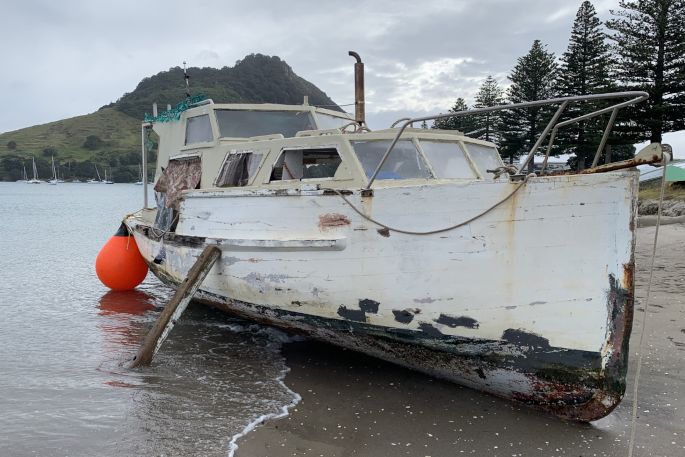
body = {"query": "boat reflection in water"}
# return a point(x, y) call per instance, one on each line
point(126, 302)
point(125, 317)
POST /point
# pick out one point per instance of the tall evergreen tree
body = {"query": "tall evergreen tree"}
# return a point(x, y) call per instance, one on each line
point(650, 45)
point(533, 78)
point(462, 123)
point(584, 70)
point(487, 125)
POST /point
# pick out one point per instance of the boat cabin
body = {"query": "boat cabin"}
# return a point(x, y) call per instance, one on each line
point(260, 147)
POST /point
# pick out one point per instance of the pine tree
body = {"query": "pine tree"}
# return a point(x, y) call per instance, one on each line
point(462, 123)
point(584, 70)
point(650, 45)
point(487, 125)
point(533, 78)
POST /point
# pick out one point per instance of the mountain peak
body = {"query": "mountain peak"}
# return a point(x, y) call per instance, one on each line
point(257, 78)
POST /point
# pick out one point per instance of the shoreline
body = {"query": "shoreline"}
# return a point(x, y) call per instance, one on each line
point(355, 404)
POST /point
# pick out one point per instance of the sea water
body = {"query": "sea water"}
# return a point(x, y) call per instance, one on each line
point(65, 341)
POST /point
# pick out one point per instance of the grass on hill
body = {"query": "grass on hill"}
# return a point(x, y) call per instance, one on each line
point(119, 132)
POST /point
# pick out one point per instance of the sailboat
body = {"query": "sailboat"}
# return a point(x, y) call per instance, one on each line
point(53, 181)
point(98, 181)
point(24, 178)
point(107, 181)
point(140, 176)
point(35, 179)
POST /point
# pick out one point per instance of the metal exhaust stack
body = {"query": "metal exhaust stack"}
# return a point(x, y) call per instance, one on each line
point(359, 113)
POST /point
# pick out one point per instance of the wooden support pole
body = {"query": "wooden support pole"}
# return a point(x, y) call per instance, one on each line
point(177, 304)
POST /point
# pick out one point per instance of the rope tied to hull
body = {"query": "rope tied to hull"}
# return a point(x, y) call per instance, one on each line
point(644, 321)
point(128, 229)
point(431, 232)
point(499, 171)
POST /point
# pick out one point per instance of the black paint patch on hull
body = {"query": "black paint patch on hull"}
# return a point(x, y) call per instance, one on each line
point(352, 314)
point(368, 306)
point(520, 337)
point(454, 322)
point(403, 316)
point(429, 330)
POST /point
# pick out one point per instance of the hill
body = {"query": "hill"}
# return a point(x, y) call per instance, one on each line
point(110, 137)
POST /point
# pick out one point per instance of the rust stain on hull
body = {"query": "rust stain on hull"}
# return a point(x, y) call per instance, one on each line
point(613, 166)
point(333, 220)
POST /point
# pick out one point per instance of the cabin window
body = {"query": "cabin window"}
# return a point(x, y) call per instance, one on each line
point(199, 130)
point(484, 158)
point(447, 159)
point(331, 122)
point(238, 169)
point(404, 162)
point(306, 164)
point(246, 124)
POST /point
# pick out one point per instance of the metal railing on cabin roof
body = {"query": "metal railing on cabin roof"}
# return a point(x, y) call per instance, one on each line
point(552, 125)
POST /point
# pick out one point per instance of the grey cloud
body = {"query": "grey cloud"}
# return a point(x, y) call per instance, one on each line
point(70, 58)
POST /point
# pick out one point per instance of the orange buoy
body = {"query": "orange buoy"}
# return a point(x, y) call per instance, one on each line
point(120, 268)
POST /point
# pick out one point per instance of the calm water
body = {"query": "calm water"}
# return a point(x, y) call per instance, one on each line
point(66, 338)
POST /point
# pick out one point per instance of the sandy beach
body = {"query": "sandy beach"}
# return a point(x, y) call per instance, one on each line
point(357, 405)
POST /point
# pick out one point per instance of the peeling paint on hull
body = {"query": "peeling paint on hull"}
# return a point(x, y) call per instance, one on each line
point(570, 384)
point(520, 303)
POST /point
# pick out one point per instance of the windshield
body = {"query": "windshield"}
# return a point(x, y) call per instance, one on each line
point(404, 162)
point(245, 124)
point(447, 159)
point(485, 158)
point(331, 122)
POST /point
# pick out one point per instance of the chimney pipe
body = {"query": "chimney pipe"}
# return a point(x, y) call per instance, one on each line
point(359, 112)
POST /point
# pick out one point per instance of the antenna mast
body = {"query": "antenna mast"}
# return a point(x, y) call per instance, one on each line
point(186, 78)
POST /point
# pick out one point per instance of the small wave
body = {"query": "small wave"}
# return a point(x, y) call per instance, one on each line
point(284, 412)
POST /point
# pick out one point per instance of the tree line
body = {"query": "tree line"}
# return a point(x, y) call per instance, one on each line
point(641, 48)
point(120, 168)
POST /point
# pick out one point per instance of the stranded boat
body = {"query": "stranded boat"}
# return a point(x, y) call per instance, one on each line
point(416, 246)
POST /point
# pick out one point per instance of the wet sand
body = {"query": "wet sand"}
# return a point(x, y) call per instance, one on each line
point(357, 405)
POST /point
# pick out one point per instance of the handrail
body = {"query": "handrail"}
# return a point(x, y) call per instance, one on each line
point(639, 96)
point(202, 102)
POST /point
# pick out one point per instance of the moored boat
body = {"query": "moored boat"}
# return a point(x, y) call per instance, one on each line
point(24, 176)
point(417, 246)
point(54, 180)
point(35, 179)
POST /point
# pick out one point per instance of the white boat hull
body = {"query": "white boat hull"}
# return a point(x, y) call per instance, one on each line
point(532, 301)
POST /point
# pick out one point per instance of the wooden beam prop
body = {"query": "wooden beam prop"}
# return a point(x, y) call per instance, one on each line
point(177, 304)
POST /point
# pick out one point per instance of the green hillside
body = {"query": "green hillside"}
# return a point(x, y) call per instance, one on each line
point(110, 137)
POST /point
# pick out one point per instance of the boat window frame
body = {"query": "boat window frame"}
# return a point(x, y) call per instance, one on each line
point(338, 148)
point(467, 156)
point(414, 140)
point(464, 146)
point(310, 112)
point(251, 179)
point(203, 144)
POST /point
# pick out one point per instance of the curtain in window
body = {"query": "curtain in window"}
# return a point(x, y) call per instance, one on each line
point(235, 172)
point(180, 175)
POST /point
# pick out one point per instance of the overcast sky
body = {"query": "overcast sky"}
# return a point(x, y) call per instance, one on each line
point(67, 58)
